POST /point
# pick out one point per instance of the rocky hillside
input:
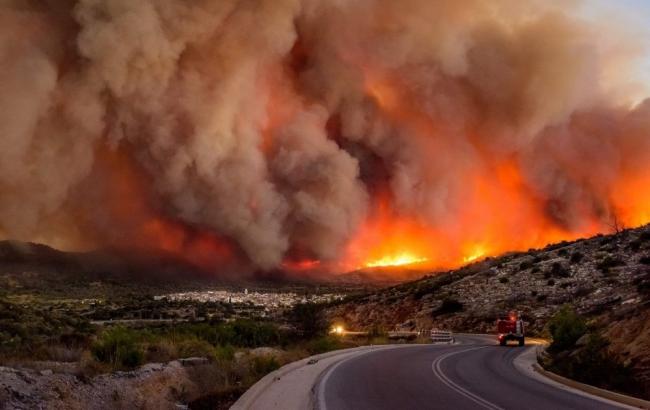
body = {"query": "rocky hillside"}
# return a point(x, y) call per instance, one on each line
point(155, 385)
point(606, 278)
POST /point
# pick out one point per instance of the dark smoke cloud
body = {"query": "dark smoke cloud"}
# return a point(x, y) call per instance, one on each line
point(276, 123)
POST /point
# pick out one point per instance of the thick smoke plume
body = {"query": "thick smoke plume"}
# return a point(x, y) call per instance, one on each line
point(271, 133)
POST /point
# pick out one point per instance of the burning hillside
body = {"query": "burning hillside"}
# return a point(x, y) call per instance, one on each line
point(312, 134)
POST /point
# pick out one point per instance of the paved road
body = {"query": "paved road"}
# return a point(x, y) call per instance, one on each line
point(475, 374)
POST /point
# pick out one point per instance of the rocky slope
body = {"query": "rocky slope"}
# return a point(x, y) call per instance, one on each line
point(174, 385)
point(606, 278)
point(160, 386)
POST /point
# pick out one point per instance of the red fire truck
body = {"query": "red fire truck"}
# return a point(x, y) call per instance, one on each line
point(511, 328)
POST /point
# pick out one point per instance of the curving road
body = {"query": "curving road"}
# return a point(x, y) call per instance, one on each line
point(475, 374)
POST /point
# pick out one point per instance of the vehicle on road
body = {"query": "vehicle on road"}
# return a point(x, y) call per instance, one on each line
point(511, 328)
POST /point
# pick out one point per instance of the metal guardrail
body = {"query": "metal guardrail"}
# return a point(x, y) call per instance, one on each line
point(441, 336)
point(403, 334)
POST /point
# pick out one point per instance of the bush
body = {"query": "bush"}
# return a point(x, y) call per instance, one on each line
point(324, 344)
point(195, 348)
point(241, 332)
point(449, 305)
point(609, 262)
point(161, 351)
point(560, 271)
point(249, 333)
point(118, 346)
point(263, 365)
point(645, 260)
point(309, 320)
point(503, 280)
point(576, 257)
point(594, 364)
point(644, 237)
point(224, 353)
point(566, 327)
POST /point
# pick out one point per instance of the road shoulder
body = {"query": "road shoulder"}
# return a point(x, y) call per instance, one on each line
point(526, 363)
point(291, 386)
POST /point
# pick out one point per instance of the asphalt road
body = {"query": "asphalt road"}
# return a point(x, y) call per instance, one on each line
point(476, 374)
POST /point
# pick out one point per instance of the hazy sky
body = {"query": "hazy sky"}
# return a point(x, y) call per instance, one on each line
point(634, 15)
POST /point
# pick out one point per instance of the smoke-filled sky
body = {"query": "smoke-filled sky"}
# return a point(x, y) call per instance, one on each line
point(322, 133)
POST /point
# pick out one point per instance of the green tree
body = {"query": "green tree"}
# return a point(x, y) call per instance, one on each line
point(566, 327)
point(309, 320)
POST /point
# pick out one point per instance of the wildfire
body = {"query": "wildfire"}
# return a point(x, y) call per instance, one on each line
point(391, 240)
point(320, 138)
point(477, 252)
point(399, 259)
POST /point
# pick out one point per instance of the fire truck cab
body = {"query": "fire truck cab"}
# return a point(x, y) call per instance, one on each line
point(511, 328)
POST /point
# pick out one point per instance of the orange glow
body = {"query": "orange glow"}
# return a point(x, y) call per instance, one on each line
point(396, 259)
point(475, 253)
point(301, 265)
point(387, 239)
point(129, 203)
point(631, 199)
point(497, 211)
point(499, 214)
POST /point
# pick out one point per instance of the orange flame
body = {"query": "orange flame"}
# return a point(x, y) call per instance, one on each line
point(387, 239)
point(499, 211)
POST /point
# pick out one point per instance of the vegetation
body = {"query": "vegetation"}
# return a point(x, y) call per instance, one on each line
point(566, 327)
point(324, 344)
point(608, 262)
point(309, 320)
point(576, 257)
point(33, 332)
point(557, 270)
point(449, 305)
point(118, 346)
point(581, 353)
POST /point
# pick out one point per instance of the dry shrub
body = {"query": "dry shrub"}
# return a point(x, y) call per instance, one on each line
point(63, 353)
point(195, 348)
point(161, 351)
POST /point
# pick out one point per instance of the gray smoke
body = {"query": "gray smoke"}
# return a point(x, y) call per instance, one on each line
point(275, 123)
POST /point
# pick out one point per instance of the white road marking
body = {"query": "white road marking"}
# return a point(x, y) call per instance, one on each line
point(437, 370)
point(321, 404)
